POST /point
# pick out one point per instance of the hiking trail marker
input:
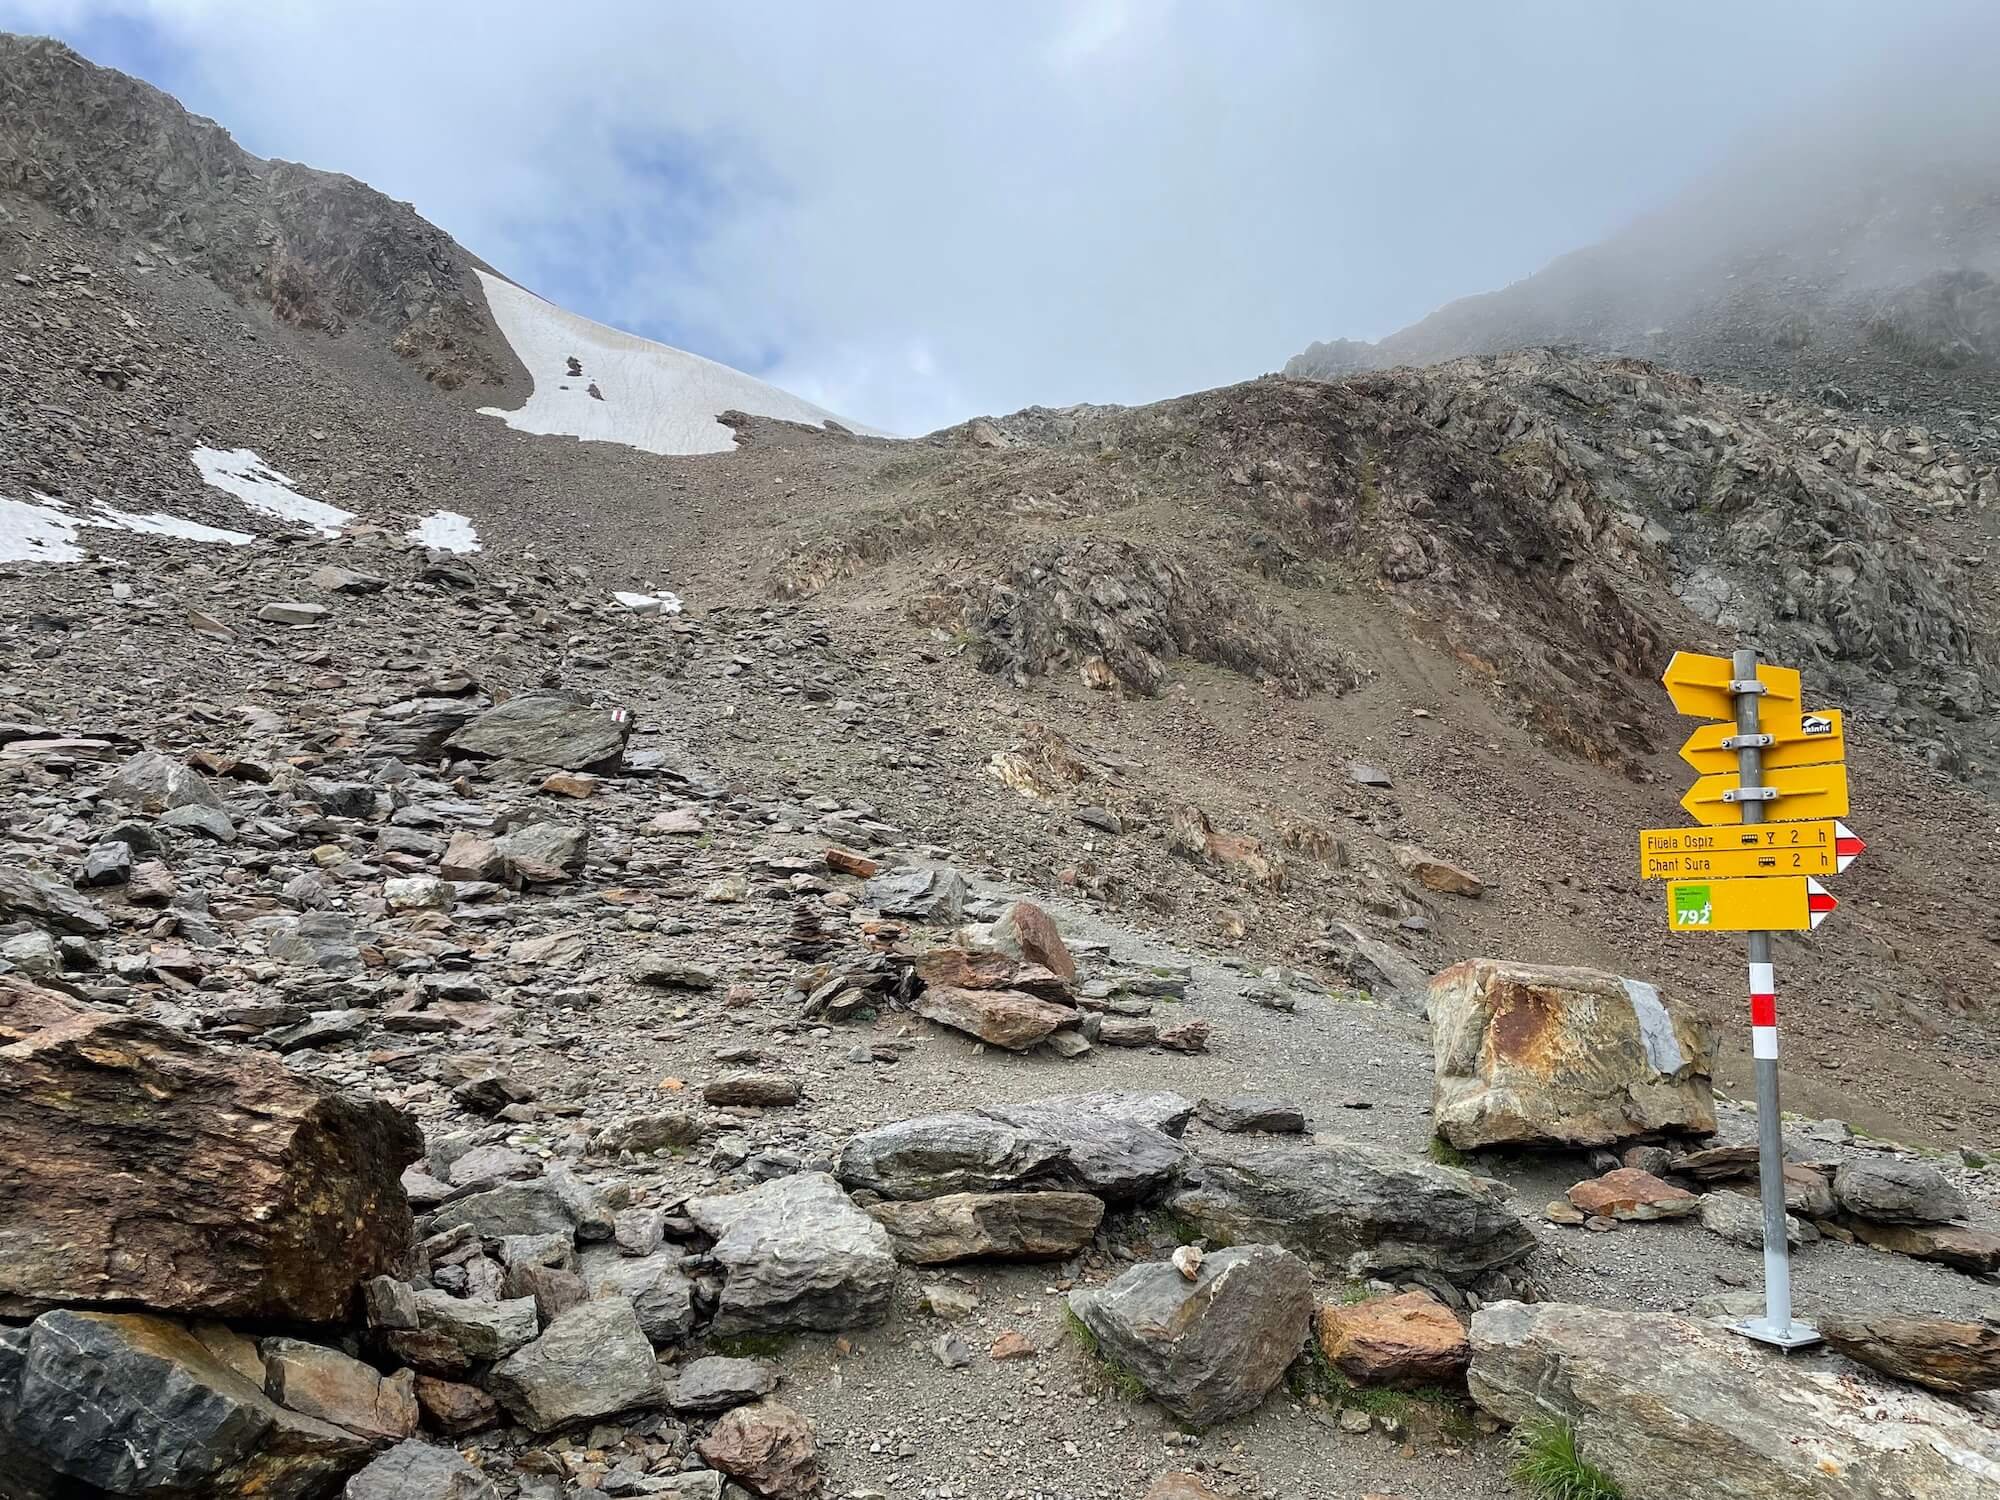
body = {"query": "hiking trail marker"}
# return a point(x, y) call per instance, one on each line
point(1770, 795)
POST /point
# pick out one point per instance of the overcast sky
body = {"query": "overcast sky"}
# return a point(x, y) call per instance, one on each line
point(912, 213)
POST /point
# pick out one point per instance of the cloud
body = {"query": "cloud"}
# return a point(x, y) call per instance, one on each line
point(915, 212)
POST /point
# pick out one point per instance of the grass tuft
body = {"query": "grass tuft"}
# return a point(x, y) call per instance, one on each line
point(1110, 1372)
point(1550, 1468)
point(1313, 1374)
point(752, 1345)
point(1445, 1154)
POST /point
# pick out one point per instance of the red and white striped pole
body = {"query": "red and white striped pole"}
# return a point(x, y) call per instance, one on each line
point(1776, 1326)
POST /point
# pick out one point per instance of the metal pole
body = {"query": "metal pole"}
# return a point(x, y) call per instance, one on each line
point(1776, 1326)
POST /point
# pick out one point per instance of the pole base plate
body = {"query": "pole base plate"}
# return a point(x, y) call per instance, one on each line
point(1798, 1336)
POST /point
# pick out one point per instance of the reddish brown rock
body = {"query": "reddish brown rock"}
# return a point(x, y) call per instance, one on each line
point(1961, 1358)
point(979, 969)
point(1439, 875)
point(1237, 855)
point(337, 1388)
point(766, 1447)
point(1188, 1036)
point(1405, 1340)
point(1003, 1018)
point(1181, 1486)
point(1026, 932)
point(140, 1166)
point(847, 862)
point(1974, 1250)
point(1628, 1194)
point(1013, 1344)
point(454, 1409)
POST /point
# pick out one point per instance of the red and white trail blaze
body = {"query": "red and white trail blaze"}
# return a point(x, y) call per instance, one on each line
point(1763, 1012)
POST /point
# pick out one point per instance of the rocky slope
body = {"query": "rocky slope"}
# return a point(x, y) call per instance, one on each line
point(1850, 262)
point(642, 848)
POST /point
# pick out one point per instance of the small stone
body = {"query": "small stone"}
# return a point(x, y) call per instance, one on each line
point(292, 613)
point(453, 1408)
point(953, 1304)
point(1012, 1344)
point(952, 1351)
point(1187, 1261)
point(763, 1090)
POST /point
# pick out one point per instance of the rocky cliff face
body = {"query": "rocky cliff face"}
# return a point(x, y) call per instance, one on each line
point(115, 156)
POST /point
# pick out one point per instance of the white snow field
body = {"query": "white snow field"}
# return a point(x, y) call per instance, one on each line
point(647, 395)
point(46, 532)
point(445, 531)
point(246, 476)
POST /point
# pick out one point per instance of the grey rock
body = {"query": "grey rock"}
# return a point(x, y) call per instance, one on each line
point(797, 1253)
point(49, 903)
point(593, 1361)
point(157, 783)
point(638, 1231)
point(321, 1029)
point(316, 939)
point(1380, 969)
point(481, 1330)
point(717, 1383)
point(543, 730)
point(108, 863)
point(1361, 773)
point(334, 580)
point(661, 1296)
point(132, 1404)
point(417, 728)
point(1363, 1208)
point(584, 1204)
point(1212, 1348)
point(211, 823)
point(485, 1166)
point(1112, 1153)
point(1740, 1220)
point(1245, 1113)
point(666, 1131)
point(1665, 1406)
point(292, 612)
point(511, 1208)
point(763, 1090)
point(543, 853)
point(389, 1303)
point(1895, 1190)
point(671, 973)
point(999, 1226)
point(924, 893)
point(416, 1470)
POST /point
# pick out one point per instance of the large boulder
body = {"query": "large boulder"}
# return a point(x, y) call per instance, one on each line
point(1000, 1226)
point(157, 783)
point(1211, 1348)
point(140, 1166)
point(1026, 932)
point(1666, 1406)
point(925, 893)
point(1942, 1353)
point(95, 1403)
point(1000, 1018)
point(1365, 1209)
point(1534, 1055)
point(1896, 1190)
point(796, 1254)
point(592, 1361)
point(546, 730)
point(1094, 1143)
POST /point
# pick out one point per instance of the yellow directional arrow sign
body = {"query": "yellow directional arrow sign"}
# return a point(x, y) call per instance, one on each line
point(1802, 792)
point(1809, 739)
point(1824, 847)
point(1699, 686)
point(1795, 904)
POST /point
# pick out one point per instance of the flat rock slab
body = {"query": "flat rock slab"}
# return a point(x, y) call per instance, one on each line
point(1629, 1194)
point(1252, 1113)
point(1533, 1055)
point(239, 1189)
point(1364, 1208)
point(1000, 1226)
point(130, 1404)
point(1211, 1348)
point(1000, 1018)
point(417, 1470)
point(1666, 1406)
point(717, 1383)
point(541, 730)
point(797, 1253)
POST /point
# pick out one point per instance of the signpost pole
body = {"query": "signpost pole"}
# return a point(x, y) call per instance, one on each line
point(1776, 1326)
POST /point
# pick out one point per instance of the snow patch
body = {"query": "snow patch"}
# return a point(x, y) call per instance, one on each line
point(662, 603)
point(445, 531)
point(46, 533)
point(626, 389)
point(246, 476)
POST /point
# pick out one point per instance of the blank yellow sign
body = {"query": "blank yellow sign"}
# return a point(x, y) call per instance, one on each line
point(1803, 792)
point(1699, 686)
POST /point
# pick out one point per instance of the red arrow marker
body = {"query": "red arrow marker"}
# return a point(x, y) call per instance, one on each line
point(1845, 846)
point(1819, 900)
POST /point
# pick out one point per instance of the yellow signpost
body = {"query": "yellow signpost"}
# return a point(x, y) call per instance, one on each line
point(1825, 846)
point(1798, 792)
point(1772, 790)
point(1809, 739)
point(1700, 688)
point(1793, 903)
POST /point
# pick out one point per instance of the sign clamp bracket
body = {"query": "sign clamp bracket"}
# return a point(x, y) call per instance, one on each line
point(1748, 741)
point(1751, 794)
